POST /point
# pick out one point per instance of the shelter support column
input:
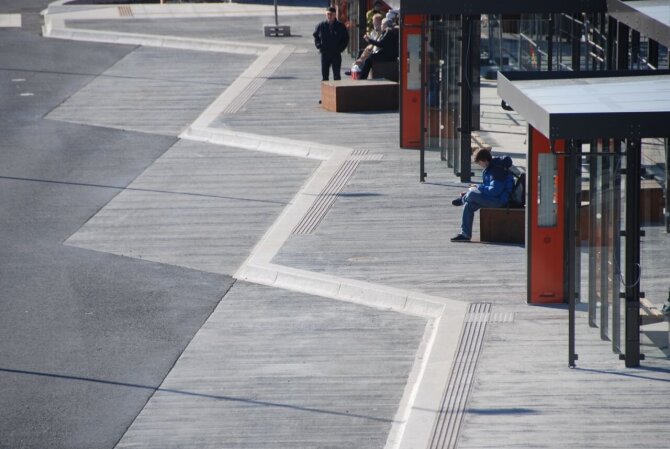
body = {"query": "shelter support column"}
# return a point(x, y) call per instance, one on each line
point(632, 268)
point(411, 110)
point(545, 212)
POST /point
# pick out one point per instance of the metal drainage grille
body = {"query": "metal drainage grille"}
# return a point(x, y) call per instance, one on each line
point(459, 385)
point(328, 195)
point(125, 11)
point(251, 88)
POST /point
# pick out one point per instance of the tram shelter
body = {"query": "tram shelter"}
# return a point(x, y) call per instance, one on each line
point(598, 120)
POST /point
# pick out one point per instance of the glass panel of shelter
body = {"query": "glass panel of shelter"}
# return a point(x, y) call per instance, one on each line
point(603, 237)
point(655, 243)
point(442, 99)
point(600, 224)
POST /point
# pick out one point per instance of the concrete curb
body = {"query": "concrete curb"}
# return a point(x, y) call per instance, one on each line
point(211, 45)
point(266, 144)
point(171, 10)
point(343, 289)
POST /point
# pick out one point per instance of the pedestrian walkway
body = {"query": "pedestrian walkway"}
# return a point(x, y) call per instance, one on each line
point(372, 329)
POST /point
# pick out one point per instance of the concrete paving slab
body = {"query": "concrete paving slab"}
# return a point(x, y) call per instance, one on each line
point(276, 369)
point(159, 91)
point(199, 206)
point(387, 228)
point(526, 396)
point(10, 20)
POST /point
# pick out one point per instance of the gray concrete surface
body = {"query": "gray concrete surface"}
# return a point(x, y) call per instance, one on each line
point(276, 369)
point(384, 228)
point(199, 206)
point(156, 91)
point(86, 336)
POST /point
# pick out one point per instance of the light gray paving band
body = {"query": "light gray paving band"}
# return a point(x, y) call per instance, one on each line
point(245, 94)
point(455, 399)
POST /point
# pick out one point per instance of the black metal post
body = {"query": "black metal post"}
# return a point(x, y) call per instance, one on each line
point(652, 53)
point(276, 15)
point(550, 43)
point(571, 243)
point(575, 40)
point(635, 48)
point(475, 64)
point(594, 201)
point(667, 186)
point(622, 46)
point(632, 270)
point(466, 98)
point(422, 102)
point(610, 62)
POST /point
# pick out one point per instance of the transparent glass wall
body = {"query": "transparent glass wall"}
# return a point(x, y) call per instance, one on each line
point(602, 214)
point(655, 244)
point(442, 94)
point(603, 237)
point(349, 14)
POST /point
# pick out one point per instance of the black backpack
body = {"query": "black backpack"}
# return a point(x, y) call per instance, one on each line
point(517, 198)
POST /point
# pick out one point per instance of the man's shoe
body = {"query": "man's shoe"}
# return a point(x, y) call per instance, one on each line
point(460, 238)
point(458, 201)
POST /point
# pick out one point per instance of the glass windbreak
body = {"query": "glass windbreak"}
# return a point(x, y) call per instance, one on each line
point(533, 51)
point(350, 15)
point(442, 94)
point(601, 211)
point(655, 242)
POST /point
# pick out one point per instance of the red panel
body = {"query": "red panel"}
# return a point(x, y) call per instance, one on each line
point(410, 104)
point(546, 244)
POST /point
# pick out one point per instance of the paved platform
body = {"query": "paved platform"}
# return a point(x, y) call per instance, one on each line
point(438, 348)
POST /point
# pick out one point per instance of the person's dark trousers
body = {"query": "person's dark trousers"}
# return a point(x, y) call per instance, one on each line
point(367, 64)
point(365, 70)
point(331, 60)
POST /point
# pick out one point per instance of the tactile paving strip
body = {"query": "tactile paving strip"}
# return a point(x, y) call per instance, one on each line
point(454, 402)
point(328, 195)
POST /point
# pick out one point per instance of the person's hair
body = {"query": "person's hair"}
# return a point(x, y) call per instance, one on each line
point(377, 17)
point(483, 155)
point(331, 9)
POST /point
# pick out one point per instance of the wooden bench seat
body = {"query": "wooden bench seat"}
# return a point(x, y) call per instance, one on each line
point(359, 95)
point(385, 69)
point(502, 225)
point(651, 202)
point(650, 314)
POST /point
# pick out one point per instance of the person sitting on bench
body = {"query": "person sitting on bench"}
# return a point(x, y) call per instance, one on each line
point(494, 191)
point(388, 45)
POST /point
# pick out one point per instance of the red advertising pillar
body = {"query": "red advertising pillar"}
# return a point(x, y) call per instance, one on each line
point(410, 82)
point(546, 222)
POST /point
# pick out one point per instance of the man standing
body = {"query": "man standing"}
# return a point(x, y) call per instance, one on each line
point(331, 38)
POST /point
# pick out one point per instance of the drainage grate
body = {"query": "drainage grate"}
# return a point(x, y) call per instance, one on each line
point(125, 11)
point(328, 195)
point(455, 400)
point(258, 81)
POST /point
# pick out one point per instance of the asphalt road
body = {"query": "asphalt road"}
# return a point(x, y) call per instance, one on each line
point(86, 337)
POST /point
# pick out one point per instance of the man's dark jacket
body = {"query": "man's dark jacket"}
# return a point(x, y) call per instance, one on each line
point(331, 40)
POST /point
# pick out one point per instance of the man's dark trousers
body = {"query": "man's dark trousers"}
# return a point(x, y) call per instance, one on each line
point(328, 60)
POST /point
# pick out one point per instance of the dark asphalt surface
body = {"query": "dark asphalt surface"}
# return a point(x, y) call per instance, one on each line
point(86, 337)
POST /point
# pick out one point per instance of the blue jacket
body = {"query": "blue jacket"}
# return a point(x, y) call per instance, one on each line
point(497, 180)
